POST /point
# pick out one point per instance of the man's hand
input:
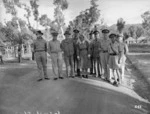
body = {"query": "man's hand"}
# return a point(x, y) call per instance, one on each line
point(89, 56)
point(78, 57)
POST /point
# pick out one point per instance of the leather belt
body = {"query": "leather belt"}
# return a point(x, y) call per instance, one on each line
point(113, 54)
point(105, 51)
point(39, 50)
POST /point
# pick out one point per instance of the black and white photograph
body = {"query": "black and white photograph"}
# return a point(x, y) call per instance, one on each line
point(74, 56)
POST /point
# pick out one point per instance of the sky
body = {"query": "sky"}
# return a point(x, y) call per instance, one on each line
point(111, 10)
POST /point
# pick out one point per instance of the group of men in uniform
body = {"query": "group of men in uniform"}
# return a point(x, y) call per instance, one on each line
point(77, 53)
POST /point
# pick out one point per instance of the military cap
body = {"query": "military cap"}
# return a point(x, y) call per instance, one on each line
point(39, 32)
point(95, 32)
point(105, 31)
point(67, 33)
point(112, 35)
point(76, 31)
point(53, 32)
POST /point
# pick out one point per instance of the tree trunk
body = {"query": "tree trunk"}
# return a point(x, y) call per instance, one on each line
point(15, 50)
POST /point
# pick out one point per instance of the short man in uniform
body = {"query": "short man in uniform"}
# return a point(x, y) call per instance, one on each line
point(114, 58)
point(67, 47)
point(104, 53)
point(40, 50)
point(56, 55)
point(95, 52)
point(76, 61)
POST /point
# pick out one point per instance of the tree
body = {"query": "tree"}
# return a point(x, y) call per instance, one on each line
point(146, 22)
point(131, 30)
point(139, 32)
point(45, 21)
point(120, 25)
point(61, 5)
point(87, 18)
point(28, 14)
point(126, 35)
point(34, 7)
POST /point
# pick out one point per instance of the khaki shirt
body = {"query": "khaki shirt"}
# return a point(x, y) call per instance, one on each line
point(67, 47)
point(115, 46)
point(54, 46)
point(95, 48)
point(105, 44)
point(40, 45)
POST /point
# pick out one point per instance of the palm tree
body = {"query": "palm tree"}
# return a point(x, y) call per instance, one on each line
point(120, 25)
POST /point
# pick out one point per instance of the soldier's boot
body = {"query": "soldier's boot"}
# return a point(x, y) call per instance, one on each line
point(78, 72)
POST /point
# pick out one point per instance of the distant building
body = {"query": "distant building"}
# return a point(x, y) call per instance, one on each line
point(131, 40)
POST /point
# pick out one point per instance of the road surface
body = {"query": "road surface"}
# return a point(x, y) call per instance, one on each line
point(20, 93)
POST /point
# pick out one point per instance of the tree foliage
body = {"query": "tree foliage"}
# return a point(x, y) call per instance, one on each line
point(62, 3)
point(146, 22)
point(120, 25)
point(10, 6)
point(131, 30)
point(34, 7)
point(87, 18)
point(44, 20)
point(139, 32)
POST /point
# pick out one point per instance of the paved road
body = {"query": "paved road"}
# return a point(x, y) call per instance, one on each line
point(20, 93)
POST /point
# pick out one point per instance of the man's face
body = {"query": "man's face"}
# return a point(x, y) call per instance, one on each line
point(81, 38)
point(67, 36)
point(105, 35)
point(113, 39)
point(76, 33)
point(38, 35)
point(96, 35)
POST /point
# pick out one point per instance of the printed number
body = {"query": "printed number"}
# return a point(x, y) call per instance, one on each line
point(138, 106)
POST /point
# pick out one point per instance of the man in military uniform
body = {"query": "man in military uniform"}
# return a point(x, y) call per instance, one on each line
point(91, 37)
point(68, 49)
point(104, 53)
point(40, 50)
point(95, 46)
point(76, 61)
point(56, 55)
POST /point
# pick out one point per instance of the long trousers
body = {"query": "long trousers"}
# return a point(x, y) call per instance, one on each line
point(41, 60)
point(57, 64)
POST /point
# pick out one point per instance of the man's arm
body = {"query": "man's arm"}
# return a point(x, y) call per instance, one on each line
point(49, 48)
point(45, 46)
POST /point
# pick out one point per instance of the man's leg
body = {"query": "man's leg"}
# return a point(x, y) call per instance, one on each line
point(39, 65)
point(44, 63)
point(91, 69)
point(71, 66)
point(60, 65)
point(78, 68)
point(67, 65)
point(54, 58)
point(98, 67)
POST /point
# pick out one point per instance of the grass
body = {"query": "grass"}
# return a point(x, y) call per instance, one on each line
point(142, 63)
point(139, 48)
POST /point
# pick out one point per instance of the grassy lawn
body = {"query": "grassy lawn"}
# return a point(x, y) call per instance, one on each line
point(139, 48)
point(142, 62)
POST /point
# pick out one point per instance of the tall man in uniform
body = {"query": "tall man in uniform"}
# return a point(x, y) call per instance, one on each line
point(95, 46)
point(104, 53)
point(40, 50)
point(56, 55)
point(91, 35)
point(68, 49)
point(76, 61)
